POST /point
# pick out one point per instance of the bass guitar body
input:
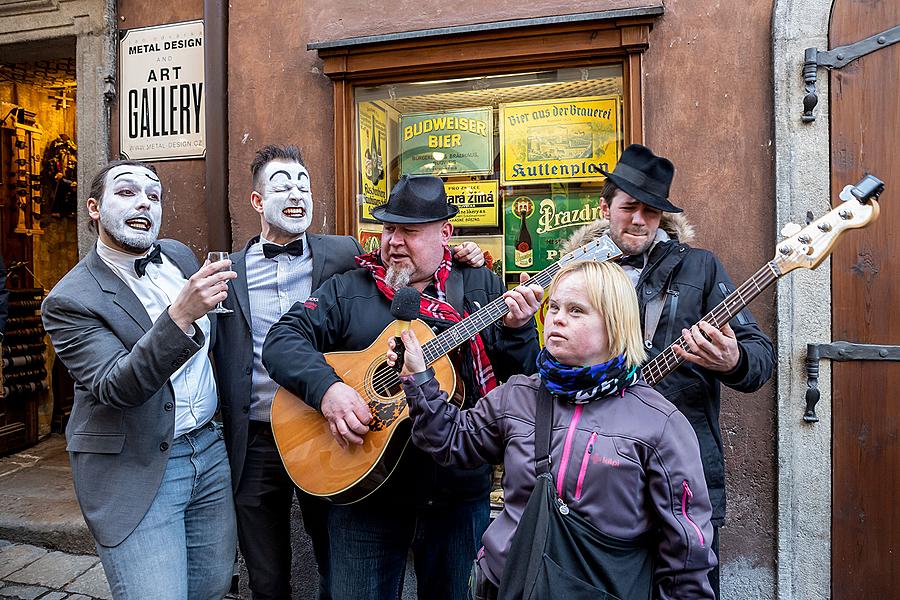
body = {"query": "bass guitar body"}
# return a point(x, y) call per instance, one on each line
point(312, 457)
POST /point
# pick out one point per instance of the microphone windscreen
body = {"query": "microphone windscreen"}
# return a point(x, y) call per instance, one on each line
point(405, 306)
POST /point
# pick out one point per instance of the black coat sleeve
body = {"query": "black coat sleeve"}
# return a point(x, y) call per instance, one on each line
point(512, 351)
point(292, 352)
point(757, 353)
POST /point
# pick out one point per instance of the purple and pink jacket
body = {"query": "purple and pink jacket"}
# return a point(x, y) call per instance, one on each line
point(628, 463)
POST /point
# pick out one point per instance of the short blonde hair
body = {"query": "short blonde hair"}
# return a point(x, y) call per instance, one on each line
point(610, 292)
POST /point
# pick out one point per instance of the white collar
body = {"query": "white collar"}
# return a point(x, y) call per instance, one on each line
point(124, 261)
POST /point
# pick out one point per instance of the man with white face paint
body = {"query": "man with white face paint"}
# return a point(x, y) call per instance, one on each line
point(148, 462)
point(277, 268)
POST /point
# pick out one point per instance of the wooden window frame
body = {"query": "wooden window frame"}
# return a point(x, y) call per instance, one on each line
point(444, 54)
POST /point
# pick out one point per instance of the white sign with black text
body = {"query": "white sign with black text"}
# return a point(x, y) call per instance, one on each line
point(162, 106)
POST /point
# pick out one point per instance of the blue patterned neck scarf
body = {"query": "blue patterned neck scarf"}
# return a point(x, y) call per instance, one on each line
point(580, 385)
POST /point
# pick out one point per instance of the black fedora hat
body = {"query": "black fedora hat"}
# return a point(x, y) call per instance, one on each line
point(644, 176)
point(416, 199)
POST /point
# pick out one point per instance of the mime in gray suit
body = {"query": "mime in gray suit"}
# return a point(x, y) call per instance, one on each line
point(149, 465)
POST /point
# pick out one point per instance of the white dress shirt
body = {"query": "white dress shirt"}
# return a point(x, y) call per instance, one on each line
point(274, 285)
point(196, 396)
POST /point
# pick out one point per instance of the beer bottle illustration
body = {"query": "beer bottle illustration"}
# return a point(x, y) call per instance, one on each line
point(524, 255)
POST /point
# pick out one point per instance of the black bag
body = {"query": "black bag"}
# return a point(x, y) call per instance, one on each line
point(556, 553)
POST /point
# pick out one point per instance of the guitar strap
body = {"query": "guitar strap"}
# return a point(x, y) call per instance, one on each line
point(653, 312)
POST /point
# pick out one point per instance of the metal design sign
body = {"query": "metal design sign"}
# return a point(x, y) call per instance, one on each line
point(558, 140)
point(162, 103)
point(478, 203)
point(447, 142)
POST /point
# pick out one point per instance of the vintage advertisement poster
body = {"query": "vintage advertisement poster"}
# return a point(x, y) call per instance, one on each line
point(369, 239)
point(162, 102)
point(447, 142)
point(491, 245)
point(478, 203)
point(371, 140)
point(537, 225)
point(558, 140)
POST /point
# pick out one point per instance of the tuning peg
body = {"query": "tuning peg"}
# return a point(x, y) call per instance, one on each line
point(790, 229)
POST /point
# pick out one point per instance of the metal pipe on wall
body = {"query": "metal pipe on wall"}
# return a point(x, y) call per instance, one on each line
point(215, 19)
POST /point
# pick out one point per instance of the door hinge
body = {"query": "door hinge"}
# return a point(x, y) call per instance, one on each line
point(837, 59)
point(839, 351)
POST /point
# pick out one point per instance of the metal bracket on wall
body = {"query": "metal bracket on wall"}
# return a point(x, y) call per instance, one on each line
point(837, 59)
point(839, 351)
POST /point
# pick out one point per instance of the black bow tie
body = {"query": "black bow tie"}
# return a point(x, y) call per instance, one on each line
point(295, 248)
point(140, 264)
point(636, 261)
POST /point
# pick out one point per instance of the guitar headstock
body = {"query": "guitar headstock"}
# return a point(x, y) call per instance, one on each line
point(600, 249)
point(807, 247)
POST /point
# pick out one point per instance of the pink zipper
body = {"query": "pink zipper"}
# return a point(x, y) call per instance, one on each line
point(588, 450)
point(567, 450)
point(686, 496)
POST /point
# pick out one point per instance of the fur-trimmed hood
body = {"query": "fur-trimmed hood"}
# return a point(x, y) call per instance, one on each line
point(674, 224)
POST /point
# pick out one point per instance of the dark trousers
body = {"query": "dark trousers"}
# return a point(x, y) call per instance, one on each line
point(369, 549)
point(714, 574)
point(263, 505)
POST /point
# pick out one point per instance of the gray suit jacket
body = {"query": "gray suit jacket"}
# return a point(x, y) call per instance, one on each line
point(123, 418)
point(233, 351)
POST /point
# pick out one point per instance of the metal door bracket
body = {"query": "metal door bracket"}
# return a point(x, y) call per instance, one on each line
point(839, 351)
point(837, 59)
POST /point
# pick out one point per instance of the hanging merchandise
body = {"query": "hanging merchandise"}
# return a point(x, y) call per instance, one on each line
point(59, 177)
point(26, 169)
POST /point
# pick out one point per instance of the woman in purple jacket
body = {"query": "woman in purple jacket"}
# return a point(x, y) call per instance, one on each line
point(622, 456)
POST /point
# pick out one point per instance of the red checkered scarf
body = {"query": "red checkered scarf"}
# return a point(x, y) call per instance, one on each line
point(437, 308)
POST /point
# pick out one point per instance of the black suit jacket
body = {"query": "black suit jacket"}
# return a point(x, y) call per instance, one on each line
point(233, 351)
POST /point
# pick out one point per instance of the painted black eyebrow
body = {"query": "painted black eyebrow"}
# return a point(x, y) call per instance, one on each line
point(149, 175)
point(288, 175)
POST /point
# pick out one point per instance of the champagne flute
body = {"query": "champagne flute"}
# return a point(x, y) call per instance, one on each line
point(215, 257)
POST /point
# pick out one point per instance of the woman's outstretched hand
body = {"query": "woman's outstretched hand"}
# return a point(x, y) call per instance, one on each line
point(413, 359)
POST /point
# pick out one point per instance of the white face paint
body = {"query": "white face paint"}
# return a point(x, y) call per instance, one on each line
point(286, 199)
point(131, 208)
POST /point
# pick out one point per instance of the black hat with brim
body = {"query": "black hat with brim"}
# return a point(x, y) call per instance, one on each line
point(416, 199)
point(644, 176)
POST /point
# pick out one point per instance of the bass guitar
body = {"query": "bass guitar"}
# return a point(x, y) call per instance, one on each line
point(804, 248)
point(311, 456)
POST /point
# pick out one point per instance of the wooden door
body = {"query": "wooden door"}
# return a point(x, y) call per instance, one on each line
point(865, 137)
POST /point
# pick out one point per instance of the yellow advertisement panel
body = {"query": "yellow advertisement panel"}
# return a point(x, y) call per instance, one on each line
point(477, 201)
point(558, 140)
point(371, 141)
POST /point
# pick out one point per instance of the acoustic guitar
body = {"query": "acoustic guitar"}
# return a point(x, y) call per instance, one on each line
point(804, 248)
point(311, 456)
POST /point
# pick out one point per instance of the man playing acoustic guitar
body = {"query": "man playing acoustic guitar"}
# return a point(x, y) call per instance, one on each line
point(438, 512)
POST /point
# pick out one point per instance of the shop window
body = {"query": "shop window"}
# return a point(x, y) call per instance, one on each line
point(521, 154)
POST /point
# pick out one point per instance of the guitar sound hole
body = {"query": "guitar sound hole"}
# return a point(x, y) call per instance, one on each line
point(386, 381)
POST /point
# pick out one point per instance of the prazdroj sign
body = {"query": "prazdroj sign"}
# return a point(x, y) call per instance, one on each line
point(447, 142)
point(162, 103)
point(537, 225)
point(561, 141)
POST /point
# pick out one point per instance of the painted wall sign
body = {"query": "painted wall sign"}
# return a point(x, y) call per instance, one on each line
point(162, 103)
point(446, 142)
point(558, 141)
point(478, 203)
point(491, 245)
point(536, 225)
point(371, 140)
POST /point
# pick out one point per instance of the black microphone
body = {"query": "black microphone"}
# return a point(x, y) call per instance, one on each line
point(404, 308)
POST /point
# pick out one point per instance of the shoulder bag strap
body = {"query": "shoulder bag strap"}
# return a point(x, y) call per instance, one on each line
point(543, 425)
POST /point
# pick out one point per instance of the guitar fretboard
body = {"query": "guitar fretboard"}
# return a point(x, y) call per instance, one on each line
point(667, 361)
point(479, 320)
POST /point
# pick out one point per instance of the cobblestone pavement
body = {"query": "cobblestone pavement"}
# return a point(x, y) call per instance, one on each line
point(28, 572)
